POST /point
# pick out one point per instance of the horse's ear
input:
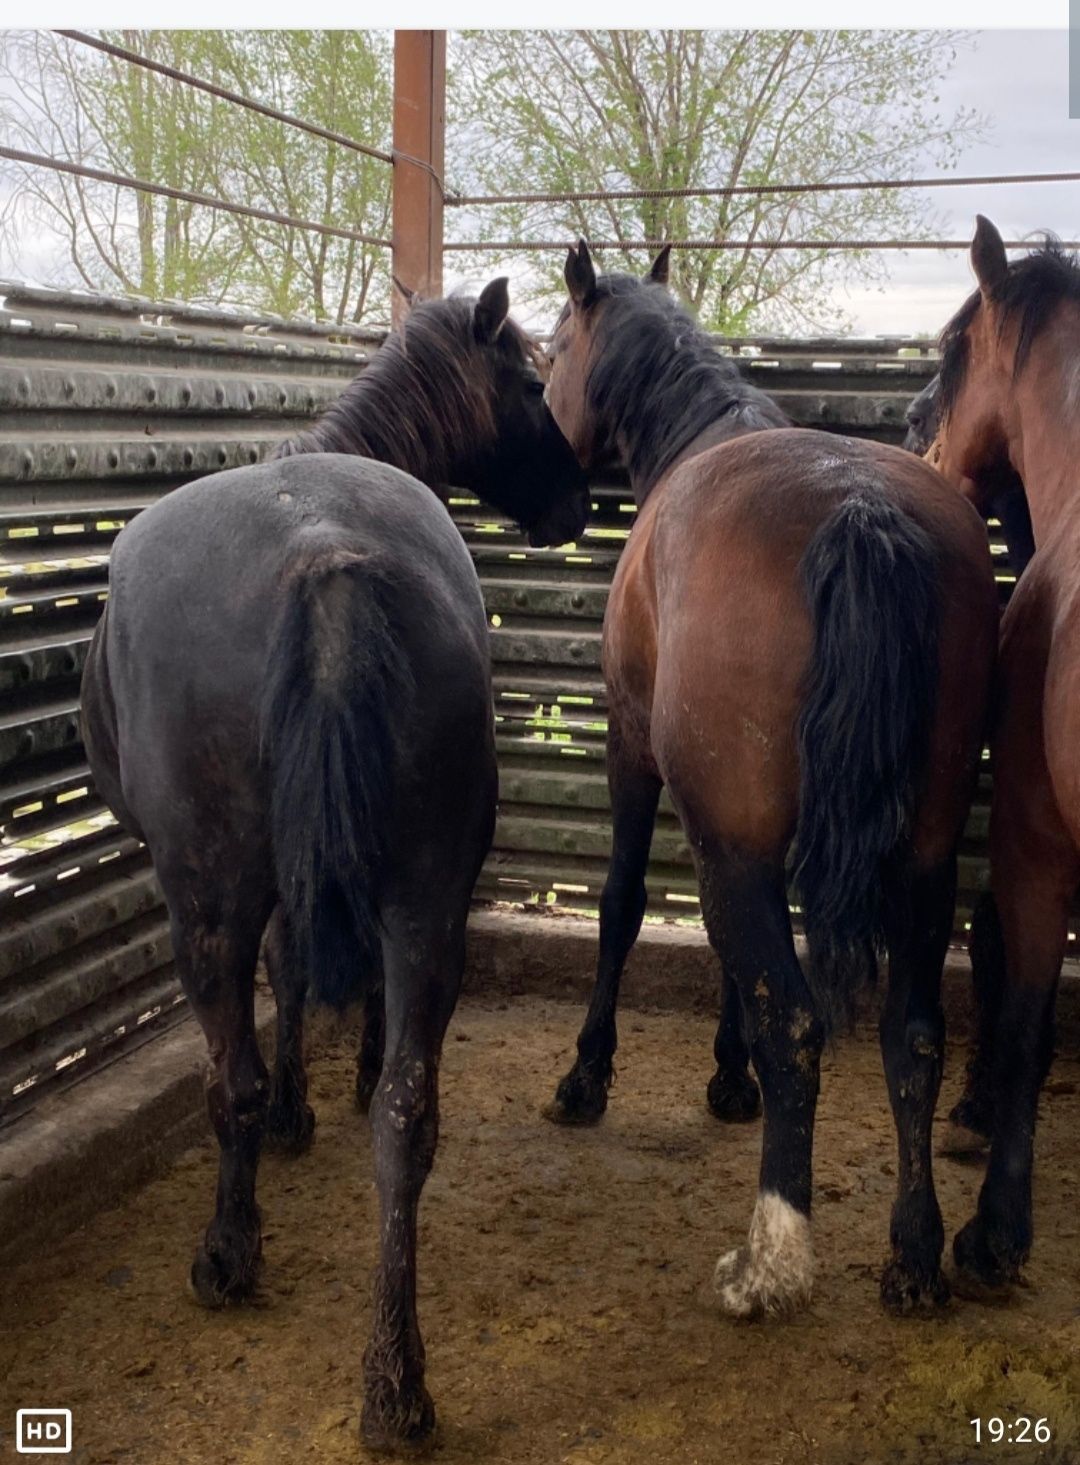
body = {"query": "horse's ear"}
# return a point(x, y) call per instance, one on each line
point(579, 275)
point(988, 258)
point(410, 296)
point(661, 267)
point(491, 310)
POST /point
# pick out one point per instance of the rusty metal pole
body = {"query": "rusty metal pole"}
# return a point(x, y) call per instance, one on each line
point(419, 134)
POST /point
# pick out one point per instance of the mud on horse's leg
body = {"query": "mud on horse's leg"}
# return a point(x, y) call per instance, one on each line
point(581, 1096)
point(732, 1095)
point(290, 1120)
point(918, 920)
point(746, 915)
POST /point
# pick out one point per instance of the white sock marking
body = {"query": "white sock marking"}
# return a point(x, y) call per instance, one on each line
point(774, 1272)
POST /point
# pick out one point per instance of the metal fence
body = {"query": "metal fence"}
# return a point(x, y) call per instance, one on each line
point(108, 404)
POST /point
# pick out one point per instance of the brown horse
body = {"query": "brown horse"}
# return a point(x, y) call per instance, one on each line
point(798, 643)
point(1010, 401)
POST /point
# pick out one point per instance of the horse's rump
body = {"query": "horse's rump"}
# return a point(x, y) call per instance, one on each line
point(797, 584)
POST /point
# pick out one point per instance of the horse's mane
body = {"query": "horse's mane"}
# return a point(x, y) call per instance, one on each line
point(425, 401)
point(1032, 288)
point(657, 373)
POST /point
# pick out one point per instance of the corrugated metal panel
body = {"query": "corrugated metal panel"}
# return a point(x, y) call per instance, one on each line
point(106, 405)
point(110, 403)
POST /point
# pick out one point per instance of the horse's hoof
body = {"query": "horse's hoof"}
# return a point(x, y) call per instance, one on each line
point(290, 1128)
point(397, 1423)
point(986, 1261)
point(774, 1272)
point(223, 1276)
point(907, 1291)
point(733, 1098)
point(578, 1100)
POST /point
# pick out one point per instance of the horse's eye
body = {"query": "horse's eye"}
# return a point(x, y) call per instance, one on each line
point(534, 387)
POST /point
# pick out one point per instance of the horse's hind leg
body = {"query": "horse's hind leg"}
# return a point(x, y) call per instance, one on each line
point(581, 1096)
point(1035, 875)
point(972, 1117)
point(369, 1060)
point(746, 915)
point(732, 1094)
point(290, 1121)
point(424, 956)
point(918, 920)
point(217, 921)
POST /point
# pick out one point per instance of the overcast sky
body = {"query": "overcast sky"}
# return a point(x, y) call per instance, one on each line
point(1019, 81)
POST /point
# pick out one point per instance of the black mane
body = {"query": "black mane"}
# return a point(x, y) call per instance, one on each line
point(659, 381)
point(424, 401)
point(1033, 287)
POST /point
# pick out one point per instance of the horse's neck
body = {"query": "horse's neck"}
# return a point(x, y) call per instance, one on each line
point(1046, 447)
point(729, 426)
point(724, 425)
point(377, 424)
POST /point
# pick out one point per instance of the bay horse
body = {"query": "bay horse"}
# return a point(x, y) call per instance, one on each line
point(1001, 497)
point(288, 698)
point(798, 643)
point(1010, 373)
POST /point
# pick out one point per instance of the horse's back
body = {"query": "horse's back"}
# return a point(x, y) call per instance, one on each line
point(209, 564)
point(711, 614)
point(200, 587)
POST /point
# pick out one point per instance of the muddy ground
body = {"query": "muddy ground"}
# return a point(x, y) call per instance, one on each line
point(564, 1284)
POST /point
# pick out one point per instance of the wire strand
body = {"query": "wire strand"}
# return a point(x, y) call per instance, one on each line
point(507, 246)
point(124, 180)
point(480, 200)
point(396, 155)
point(224, 94)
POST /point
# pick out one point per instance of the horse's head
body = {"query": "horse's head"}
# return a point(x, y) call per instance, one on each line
point(979, 356)
point(923, 417)
point(634, 378)
point(523, 464)
point(587, 424)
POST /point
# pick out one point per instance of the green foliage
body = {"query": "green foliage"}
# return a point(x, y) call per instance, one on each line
point(63, 99)
point(531, 111)
point(560, 111)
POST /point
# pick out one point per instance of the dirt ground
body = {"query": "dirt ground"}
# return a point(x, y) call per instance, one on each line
point(564, 1283)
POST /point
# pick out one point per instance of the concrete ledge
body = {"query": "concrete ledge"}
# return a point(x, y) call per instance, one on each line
point(554, 955)
point(81, 1150)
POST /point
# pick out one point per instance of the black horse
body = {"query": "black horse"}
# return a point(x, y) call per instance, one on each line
point(442, 436)
point(288, 698)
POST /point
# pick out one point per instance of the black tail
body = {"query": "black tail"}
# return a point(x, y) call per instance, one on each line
point(870, 577)
point(339, 680)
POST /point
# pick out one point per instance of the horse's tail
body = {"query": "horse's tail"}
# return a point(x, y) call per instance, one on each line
point(870, 578)
point(338, 677)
